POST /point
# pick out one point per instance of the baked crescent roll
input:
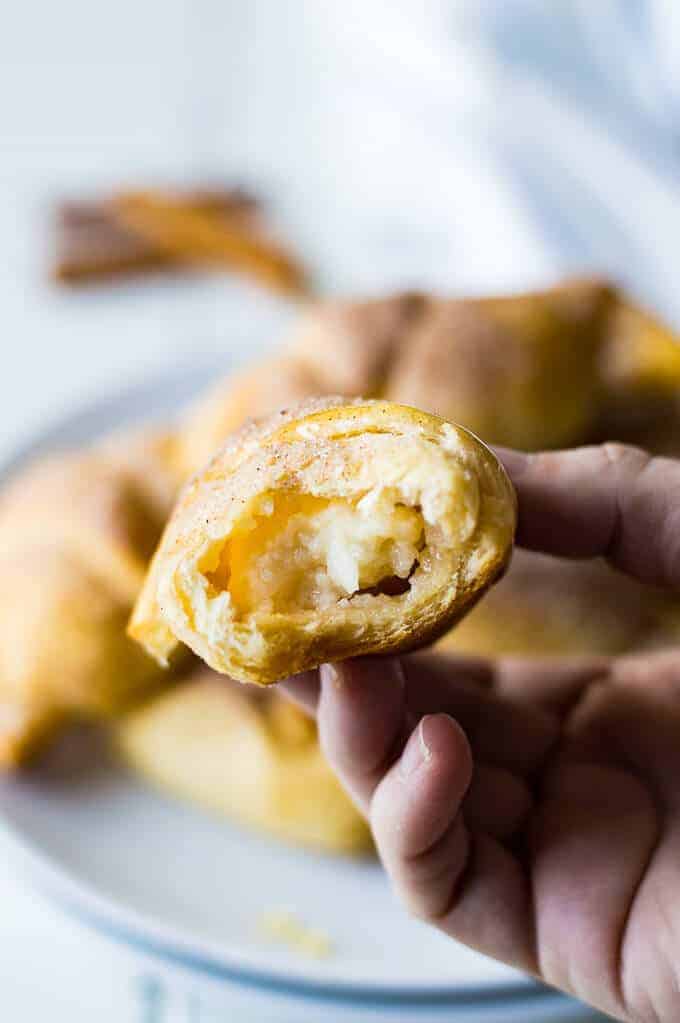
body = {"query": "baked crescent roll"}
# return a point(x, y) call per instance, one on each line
point(63, 647)
point(519, 370)
point(551, 607)
point(88, 503)
point(350, 347)
point(642, 354)
point(151, 458)
point(253, 393)
point(328, 531)
point(244, 752)
point(78, 530)
point(640, 366)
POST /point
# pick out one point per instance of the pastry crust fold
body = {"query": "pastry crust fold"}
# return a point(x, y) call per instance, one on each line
point(327, 532)
point(640, 366)
point(247, 753)
point(518, 370)
point(78, 530)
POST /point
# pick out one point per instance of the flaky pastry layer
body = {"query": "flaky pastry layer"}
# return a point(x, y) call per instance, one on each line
point(327, 532)
point(78, 529)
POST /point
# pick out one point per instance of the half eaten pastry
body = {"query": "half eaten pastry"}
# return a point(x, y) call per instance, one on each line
point(329, 531)
point(244, 752)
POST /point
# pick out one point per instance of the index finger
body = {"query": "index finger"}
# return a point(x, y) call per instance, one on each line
point(610, 500)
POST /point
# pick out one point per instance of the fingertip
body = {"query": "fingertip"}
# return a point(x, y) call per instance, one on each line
point(440, 734)
point(435, 736)
point(421, 797)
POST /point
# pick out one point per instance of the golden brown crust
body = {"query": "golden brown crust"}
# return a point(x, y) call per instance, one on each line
point(89, 504)
point(517, 370)
point(642, 354)
point(78, 530)
point(247, 753)
point(150, 457)
point(63, 648)
point(348, 347)
point(338, 454)
point(640, 367)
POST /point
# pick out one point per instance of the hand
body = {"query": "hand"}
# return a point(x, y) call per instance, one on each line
point(532, 810)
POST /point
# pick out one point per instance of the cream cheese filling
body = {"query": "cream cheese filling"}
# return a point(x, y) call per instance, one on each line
point(292, 552)
point(297, 552)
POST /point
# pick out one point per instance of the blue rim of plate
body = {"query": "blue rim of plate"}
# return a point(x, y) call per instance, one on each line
point(95, 910)
point(79, 901)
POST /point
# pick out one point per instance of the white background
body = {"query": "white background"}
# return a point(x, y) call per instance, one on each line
point(463, 146)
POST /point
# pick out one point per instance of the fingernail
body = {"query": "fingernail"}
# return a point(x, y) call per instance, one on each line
point(417, 752)
point(331, 675)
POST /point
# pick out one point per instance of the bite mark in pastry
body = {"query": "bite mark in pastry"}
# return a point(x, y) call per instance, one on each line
point(244, 752)
point(327, 532)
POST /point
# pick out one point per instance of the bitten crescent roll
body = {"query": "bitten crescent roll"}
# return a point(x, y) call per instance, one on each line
point(329, 531)
point(244, 752)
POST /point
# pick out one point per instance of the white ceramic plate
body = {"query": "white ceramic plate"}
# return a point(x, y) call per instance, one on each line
point(196, 888)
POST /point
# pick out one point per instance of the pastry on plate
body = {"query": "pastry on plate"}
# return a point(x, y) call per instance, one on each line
point(350, 347)
point(326, 532)
point(78, 530)
point(107, 502)
point(551, 607)
point(640, 366)
point(151, 457)
point(244, 752)
point(519, 370)
point(63, 647)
